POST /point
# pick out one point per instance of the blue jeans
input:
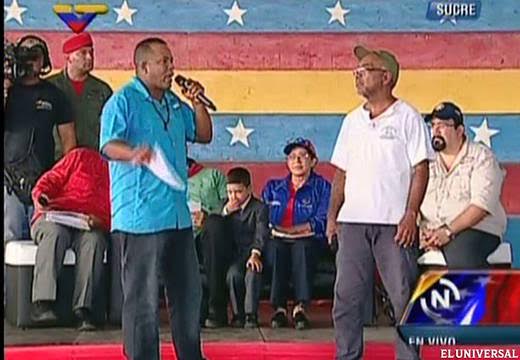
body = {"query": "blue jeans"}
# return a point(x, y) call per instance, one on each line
point(172, 255)
point(17, 217)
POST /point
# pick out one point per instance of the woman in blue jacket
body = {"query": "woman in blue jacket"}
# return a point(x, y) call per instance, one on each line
point(298, 207)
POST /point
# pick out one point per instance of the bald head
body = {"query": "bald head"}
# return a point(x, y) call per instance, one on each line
point(144, 50)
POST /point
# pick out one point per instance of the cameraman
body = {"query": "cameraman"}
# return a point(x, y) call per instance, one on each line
point(32, 108)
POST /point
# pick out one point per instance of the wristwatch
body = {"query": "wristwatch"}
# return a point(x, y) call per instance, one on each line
point(448, 232)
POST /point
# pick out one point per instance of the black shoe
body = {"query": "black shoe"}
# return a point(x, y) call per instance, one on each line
point(251, 321)
point(279, 320)
point(213, 323)
point(300, 321)
point(85, 323)
point(237, 321)
point(42, 313)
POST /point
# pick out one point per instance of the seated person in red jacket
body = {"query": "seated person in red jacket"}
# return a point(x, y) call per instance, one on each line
point(232, 249)
point(298, 207)
point(78, 183)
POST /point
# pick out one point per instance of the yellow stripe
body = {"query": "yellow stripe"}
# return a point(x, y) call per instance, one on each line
point(91, 8)
point(62, 8)
point(476, 91)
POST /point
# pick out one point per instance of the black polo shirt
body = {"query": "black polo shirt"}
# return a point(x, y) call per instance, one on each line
point(41, 106)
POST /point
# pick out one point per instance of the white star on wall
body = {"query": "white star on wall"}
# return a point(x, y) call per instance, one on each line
point(14, 12)
point(337, 13)
point(235, 14)
point(240, 133)
point(125, 13)
point(483, 133)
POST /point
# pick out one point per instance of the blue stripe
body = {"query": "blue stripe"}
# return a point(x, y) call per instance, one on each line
point(271, 132)
point(275, 15)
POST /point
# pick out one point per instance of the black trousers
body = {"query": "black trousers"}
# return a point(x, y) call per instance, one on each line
point(244, 287)
point(225, 268)
point(296, 261)
point(470, 249)
point(217, 253)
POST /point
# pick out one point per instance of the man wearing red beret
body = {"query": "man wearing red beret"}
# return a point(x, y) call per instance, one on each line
point(86, 92)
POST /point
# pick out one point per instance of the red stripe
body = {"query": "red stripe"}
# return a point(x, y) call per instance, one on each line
point(262, 172)
point(510, 191)
point(303, 51)
point(232, 350)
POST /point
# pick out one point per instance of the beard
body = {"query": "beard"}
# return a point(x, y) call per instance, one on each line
point(438, 143)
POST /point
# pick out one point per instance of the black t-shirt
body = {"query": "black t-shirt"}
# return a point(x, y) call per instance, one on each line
point(39, 107)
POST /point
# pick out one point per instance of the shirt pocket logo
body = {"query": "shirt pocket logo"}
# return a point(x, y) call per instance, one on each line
point(306, 202)
point(43, 105)
point(388, 132)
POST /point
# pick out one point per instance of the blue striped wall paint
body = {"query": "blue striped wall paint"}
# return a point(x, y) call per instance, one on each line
point(274, 15)
point(272, 132)
point(513, 236)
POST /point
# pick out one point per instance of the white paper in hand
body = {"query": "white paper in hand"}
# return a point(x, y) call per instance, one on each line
point(68, 218)
point(161, 168)
point(194, 206)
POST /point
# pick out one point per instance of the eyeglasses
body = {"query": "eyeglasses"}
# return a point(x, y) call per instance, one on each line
point(362, 70)
point(440, 125)
point(294, 157)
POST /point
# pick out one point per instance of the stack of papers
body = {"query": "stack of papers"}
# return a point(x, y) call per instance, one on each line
point(194, 206)
point(280, 234)
point(432, 257)
point(68, 218)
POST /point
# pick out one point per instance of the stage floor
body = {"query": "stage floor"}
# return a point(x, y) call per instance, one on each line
point(321, 330)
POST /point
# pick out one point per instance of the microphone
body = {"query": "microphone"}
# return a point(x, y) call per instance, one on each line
point(183, 82)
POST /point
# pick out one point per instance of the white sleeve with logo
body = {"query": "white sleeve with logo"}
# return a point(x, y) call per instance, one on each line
point(418, 142)
point(339, 154)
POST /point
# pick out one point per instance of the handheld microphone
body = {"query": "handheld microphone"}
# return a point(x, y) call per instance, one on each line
point(183, 82)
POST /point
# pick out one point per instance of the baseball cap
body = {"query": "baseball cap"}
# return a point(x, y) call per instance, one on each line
point(76, 42)
point(446, 111)
point(389, 60)
point(300, 142)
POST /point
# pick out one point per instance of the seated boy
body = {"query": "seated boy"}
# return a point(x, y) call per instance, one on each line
point(232, 253)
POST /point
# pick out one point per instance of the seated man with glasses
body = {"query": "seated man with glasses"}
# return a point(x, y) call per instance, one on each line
point(298, 207)
point(461, 214)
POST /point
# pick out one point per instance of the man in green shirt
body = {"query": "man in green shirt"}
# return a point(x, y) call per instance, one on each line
point(207, 195)
point(86, 93)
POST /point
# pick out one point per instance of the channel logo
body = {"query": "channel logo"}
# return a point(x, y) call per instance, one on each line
point(453, 11)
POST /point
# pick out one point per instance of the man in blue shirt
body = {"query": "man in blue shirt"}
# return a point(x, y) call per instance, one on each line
point(298, 207)
point(150, 217)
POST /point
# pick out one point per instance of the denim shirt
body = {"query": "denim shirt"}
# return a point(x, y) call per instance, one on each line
point(141, 203)
point(310, 205)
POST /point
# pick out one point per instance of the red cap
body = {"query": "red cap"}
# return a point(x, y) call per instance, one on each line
point(76, 42)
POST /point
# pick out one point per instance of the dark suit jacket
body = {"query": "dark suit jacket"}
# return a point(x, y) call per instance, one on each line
point(250, 226)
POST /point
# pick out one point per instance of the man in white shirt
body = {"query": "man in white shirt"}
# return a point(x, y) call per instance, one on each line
point(381, 155)
point(461, 214)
